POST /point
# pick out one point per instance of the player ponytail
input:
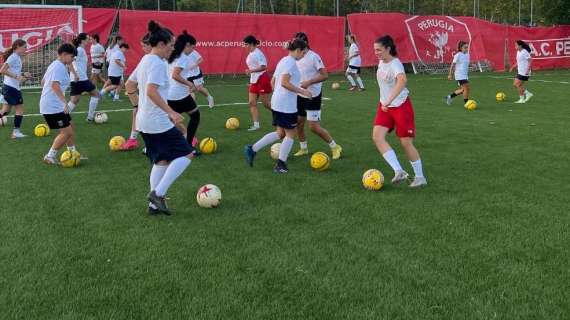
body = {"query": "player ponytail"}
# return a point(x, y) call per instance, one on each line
point(251, 40)
point(295, 44)
point(302, 36)
point(460, 45)
point(158, 34)
point(95, 37)
point(388, 43)
point(15, 45)
point(524, 45)
point(80, 38)
point(180, 44)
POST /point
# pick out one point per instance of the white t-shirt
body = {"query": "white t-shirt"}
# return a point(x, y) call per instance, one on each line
point(193, 58)
point(97, 53)
point(522, 62)
point(114, 69)
point(284, 100)
point(80, 65)
point(254, 60)
point(110, 50)
point(14, 63)
point(177, 90)
point(309, 67)
point(386, 76)
point(354, 61)
point(461, 61)
point(150, 118)
point(49, 101)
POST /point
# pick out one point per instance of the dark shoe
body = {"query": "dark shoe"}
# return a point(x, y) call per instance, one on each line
point(280, 167)
point(249, 155)
point(152, 211)
point(159, 202)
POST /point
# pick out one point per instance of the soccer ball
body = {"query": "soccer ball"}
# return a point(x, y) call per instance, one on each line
point(209, 196)
point(208, 146)
point(100, 117)
point(70, 159)
point(501, 96)
point(232, 123)
point(470, 105)
point(320, 161)
point(335, 86)
point(373, 179)
point(3, 121)
point(116, 143)
point(41, 130)
point(274, 151)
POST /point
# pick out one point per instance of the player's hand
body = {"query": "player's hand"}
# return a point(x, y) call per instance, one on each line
point(20, 78)
point(305, 84)
point(449, 77)
point(247, 71)
point(175, 117)
point(65, 109)
point(384, 108)
point(306, 93)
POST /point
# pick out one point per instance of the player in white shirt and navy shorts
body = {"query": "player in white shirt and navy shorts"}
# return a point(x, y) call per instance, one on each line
point(80, 82)
point(166, 147)
point(13, 78)
point(395, 111)
point(195, 73)
point(117, 67)
point(259, 79)
point(523, 65)
point(461, 65)
point(97, 53)
point(354, 63)
point(286, 82)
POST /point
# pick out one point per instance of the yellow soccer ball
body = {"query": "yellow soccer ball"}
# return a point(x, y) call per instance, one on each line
point(274, 151)
point(208, 146)
point(232, 123)
point(501, 96)
point(41, 130)
point(373, 179)
point(116, 143)
point(335, 85)
point(320, 161)
point(70, 159)
point(470, 105)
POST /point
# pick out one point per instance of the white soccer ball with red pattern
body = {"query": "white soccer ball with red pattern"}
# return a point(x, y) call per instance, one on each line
point(209, 196)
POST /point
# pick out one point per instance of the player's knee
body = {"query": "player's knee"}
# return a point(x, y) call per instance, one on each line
point(315, 126)
point(407, 143)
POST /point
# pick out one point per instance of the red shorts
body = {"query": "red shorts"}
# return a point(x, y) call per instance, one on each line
point(401, 118)
point(262, 86)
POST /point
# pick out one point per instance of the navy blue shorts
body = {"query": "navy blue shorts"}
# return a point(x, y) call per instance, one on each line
point(521, 77)
point(12, 95)
point(462, 82)
point(78, 87)
point(285, 120)
point(196, 77)
point(357, 69)
point(304, 104)
point(166, 146)
point(116, 81)
point(58, 120)
point(183, 105)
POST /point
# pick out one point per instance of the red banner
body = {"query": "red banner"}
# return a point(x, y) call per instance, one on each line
point(99, 21)
point(220, 36)
point(550, 47)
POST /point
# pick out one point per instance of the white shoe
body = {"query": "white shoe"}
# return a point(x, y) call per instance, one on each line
point(399, 177)
point(528, 96)
point(50, 160)
point(448, 100)
point(210, 102)
point(418, 182)
point(520, 101)
point(253, 128)
point(18, 135)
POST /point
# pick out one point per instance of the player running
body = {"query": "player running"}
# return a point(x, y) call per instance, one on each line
point(195, 74)
point(116, 41)
point(461, 65)
point(259, 81)
point(79, 81)
point(354, 63)
point(97, 52)
point(395, 111)
point(13, 77)
point(523, 64)
point(313, 74)
point(286, 81)
point(115, 72)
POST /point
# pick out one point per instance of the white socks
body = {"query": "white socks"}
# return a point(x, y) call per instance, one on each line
point(418, 170)
point(352, 83)
point(256, 124)
point(134, 134)
point(360, 83)
point(71, 106)
point(265, 141)
point(156, 175)
point(71, 148)
point(390, 157)
point(92, 107)
point(286, 147)
point(173, 171)
point(52, 153)
point(116, 96)
point(303, 144)
point(332, 144)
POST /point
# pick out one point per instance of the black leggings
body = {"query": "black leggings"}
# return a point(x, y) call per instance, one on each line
point(192, 126)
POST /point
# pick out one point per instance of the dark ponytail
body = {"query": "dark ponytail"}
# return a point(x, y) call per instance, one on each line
point(250, 39)
point(295, 44)
point(524, 45)
point(180, 45)
point(15, 45)
point(387, 42)
point(302, 36)
point(460, 45)
point(157, 34)
point(80, 37)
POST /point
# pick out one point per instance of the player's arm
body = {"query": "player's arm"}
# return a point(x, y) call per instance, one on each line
point(176, 76)
point(286, 83)
point(132, 92)
point(5, 70)
point(513, 66)
point(154, 96)
point(529, 65)
point(321, 77)
point(258, 69)
point(72, 70)
point(120, 63)
point(56, 88)
point(451, 68)
point(400, 85)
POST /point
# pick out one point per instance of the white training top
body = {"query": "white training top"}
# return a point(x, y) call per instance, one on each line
point(309, 67)
point(254, 60)
point(355, 61)
point(114, 69)
point(151, 118)
point(522, 62)
point(97, 53)
point(284, 100)
point(110, 50)
point(80, 65)
point(461, 61)
point(193, 58)
point(49, 102)
point(177, 90)
point(14, 63)
point(386, 76)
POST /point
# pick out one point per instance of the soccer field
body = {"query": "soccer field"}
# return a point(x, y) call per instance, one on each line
point(488, 238)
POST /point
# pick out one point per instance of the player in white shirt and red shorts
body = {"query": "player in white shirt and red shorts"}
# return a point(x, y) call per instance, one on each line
point(395, 111)
point(259, 80)
point(523, 65)
point(461, 65)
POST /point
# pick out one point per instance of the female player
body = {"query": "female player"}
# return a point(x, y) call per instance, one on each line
point(395, 111)
point(313, 73)
point(523, 64)
point(166, 147)
point(286, 81)
point(354, 63)
point(259, 81)
point(461, 65)
point(195, 74)
point(97, 52)
point(113, 47)
point(13, 77)
point(117, 66)
point(52, 102)
point(179, 97)
point(79, 81)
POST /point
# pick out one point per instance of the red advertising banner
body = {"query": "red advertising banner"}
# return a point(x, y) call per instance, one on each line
point(99, 21)
point(220, 36)
point(550, 47)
